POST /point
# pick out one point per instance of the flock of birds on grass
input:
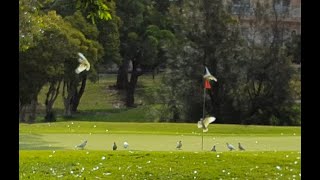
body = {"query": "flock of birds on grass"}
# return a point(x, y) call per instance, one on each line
point(229, 146)
point(114, 147)
point(179, 146)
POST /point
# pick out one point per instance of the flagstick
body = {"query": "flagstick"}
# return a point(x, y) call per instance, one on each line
point(203, 111)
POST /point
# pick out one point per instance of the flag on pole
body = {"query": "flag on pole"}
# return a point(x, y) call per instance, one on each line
point(207, 84)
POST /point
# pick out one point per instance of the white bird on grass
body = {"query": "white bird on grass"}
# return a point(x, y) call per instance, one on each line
point(84, 64)
point(208, 76)
point(82, 145)
point(240, 147)
point(179, 145)
point(204, 123)
point(230, 147)
point(125, 145)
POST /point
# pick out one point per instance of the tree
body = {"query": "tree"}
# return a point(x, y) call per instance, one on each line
point(207, 38)
point(30, 24)
point(93, 9)
point(268, 92)
point(141, 42)
point(90, 47)
point(109, 37)
point(54, 59)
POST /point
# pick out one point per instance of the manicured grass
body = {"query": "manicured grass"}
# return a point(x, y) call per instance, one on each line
point(78, 127)
point(156, 136)
point(85, 164)
point(153, 142)
point(47, 151)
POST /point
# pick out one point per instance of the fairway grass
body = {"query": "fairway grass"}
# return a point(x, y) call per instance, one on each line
point(47, 151)
point(156, 136)
point(154, 142)
point(85, 164)
point(81, 127)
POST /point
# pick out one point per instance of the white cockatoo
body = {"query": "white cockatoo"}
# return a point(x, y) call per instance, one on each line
point(204, 123)
point(208, 76)
point(230, 147)
point(82, 145)
point(179, 145)
point(84, 64)
point(125, 145)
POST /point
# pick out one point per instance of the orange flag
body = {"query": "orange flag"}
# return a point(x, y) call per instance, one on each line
point(207, 84)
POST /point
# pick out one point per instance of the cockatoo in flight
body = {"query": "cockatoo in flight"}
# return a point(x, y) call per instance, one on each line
point(84, 64)
point(204, 123)
point(208, 76)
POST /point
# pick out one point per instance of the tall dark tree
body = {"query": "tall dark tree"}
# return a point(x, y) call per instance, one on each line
point(140, 43)
point(206, 30)
point(74, 84)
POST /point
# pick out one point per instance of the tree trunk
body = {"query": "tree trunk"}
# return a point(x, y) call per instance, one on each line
point(122, 77)
point(22, 113)
point(33, 110)
point(132, 84)
point(131, 89)
point(67, 92)
point(77, 96)
point(50, 99)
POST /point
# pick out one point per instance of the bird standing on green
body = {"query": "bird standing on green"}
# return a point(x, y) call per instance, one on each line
point(240, 147)
point(114, 147)
point(179, 145)
point(214, 148)
point(230, 147)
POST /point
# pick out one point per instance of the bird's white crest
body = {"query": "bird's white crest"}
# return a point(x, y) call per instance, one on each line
point(204, 123)
point(209, 76)
point(84, 64)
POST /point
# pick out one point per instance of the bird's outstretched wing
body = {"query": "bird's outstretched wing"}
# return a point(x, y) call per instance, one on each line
point(204, 123)
point(208, 120)
point(84, 64)
point(81, 57)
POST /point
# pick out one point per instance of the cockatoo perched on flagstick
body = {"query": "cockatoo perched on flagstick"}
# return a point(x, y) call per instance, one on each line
point(84, 64)
point(204, 123)
point(208, 76)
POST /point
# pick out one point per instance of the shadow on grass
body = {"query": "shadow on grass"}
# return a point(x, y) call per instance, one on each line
point(35, 142)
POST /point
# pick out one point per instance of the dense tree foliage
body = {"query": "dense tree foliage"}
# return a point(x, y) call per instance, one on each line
point(253, 62)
